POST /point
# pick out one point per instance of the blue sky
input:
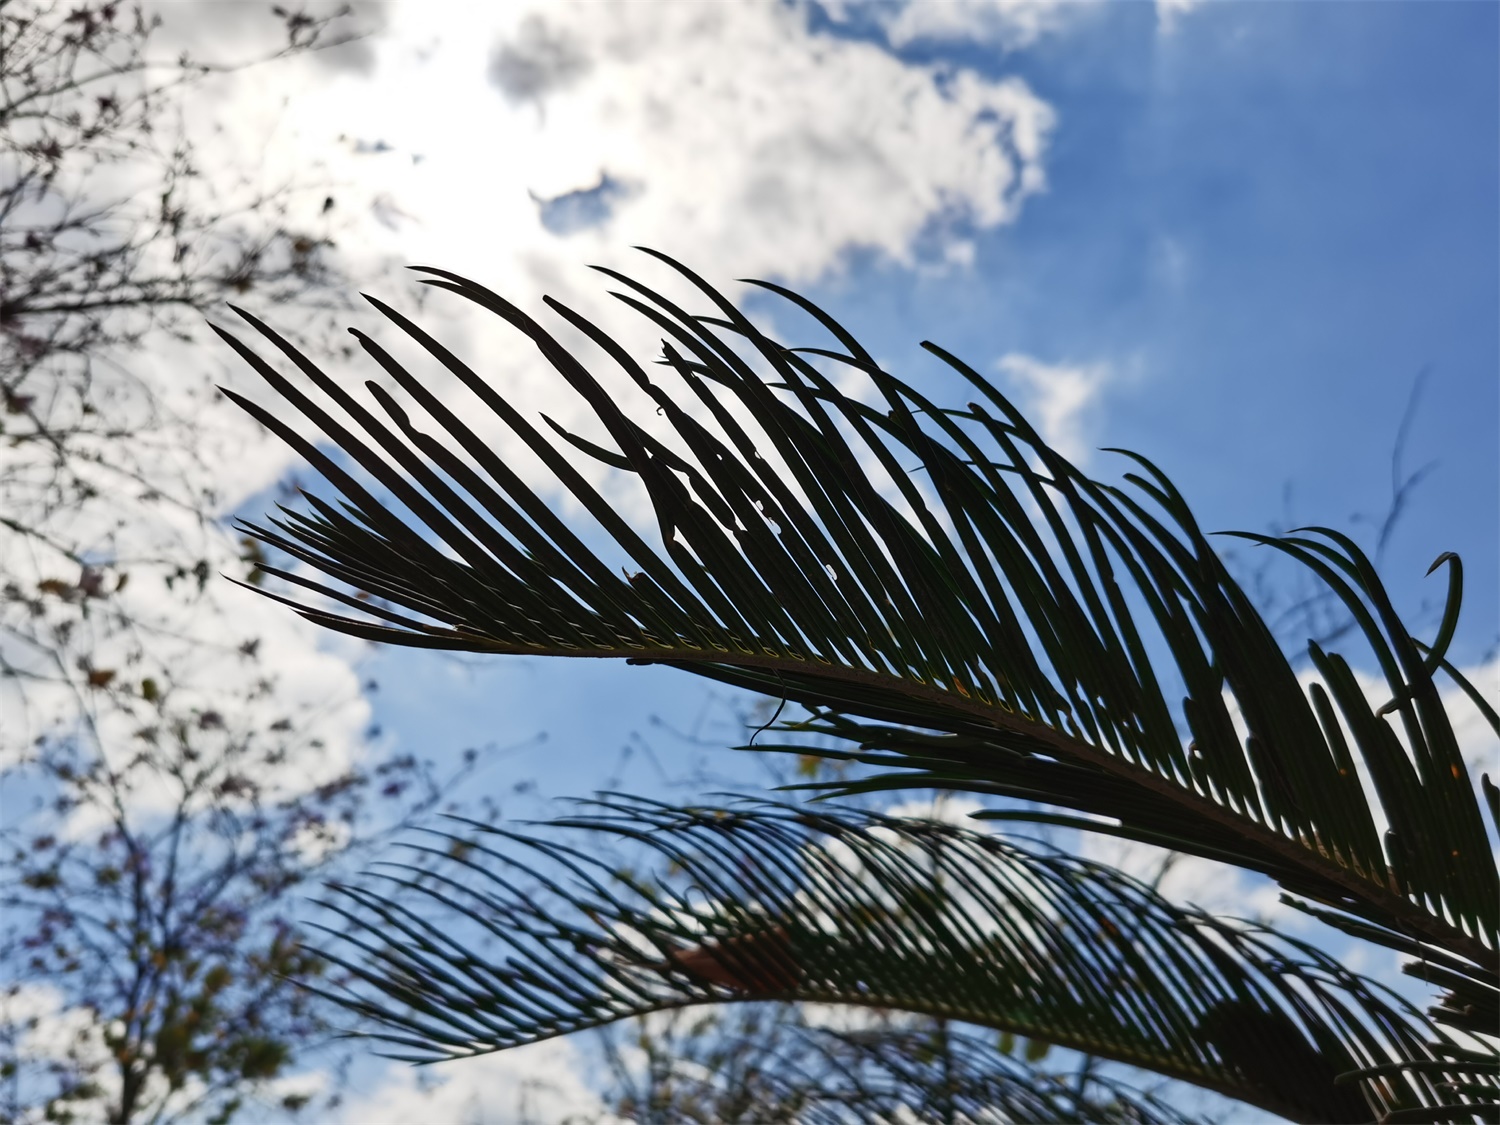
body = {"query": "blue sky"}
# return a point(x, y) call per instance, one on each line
point(1274, 218)
point(1229, 236)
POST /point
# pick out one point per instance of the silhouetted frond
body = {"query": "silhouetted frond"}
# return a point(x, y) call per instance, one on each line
point(947, 596)
point(472, 947)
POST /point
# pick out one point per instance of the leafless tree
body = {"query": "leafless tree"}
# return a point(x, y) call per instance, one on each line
point(151, 834)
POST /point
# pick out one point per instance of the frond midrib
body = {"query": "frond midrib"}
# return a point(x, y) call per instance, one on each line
point(1401, 910)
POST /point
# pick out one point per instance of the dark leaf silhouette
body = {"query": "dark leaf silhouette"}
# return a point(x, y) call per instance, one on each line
point(953, 604)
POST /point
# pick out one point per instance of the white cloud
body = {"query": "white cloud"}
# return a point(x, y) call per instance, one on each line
point(1169, 13)
point(225, 661)
point(749, 146)
point(957, 809)
point(50, 1030)
point(1060, 399)
point(55, 1037)
point(540, 1082)
point(1476, 738)
point(748, 140)
point(545, 1081)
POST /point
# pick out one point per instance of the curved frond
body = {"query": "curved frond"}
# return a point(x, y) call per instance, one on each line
point(1014, 626)
point(472, 948)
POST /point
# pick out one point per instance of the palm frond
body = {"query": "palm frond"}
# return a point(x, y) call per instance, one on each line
point(1010, 625)
point(472, 948)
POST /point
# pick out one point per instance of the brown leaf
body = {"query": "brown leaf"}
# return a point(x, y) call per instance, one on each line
point(755, 962)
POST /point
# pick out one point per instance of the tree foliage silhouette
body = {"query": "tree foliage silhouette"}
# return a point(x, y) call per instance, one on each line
point(149, 845)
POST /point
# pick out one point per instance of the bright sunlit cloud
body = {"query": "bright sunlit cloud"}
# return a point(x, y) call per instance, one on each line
point(835, 146)
point(521, 140)
point(1059, 398)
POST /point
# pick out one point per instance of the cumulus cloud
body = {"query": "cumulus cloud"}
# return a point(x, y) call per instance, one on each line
point(159, 638)
point(1059, 398)
point(1190, 880)
point(753, 140)
point(1182, 879)
point(51, 1030)
point(545, 1081)
point(1477, 741)
point(57, 1036)
point(727, 134)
